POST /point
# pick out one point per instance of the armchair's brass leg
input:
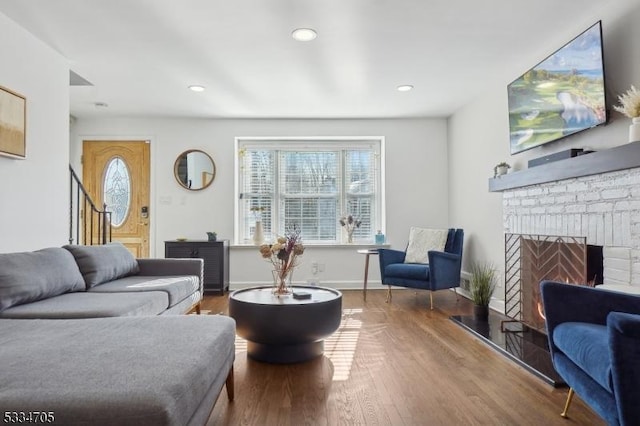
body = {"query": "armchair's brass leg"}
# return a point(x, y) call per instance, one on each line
point(388, 295)
point(566, 405)
point(431, 298)
point(198, 308)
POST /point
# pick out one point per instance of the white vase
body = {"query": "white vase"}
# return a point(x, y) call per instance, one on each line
point(258, 234)
point(634, 130)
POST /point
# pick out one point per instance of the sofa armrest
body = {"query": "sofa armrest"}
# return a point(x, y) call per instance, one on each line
point(575, 303)
point(163, 267)
point(389, 256)
point(624, 340)
point(444, 270)
point(624, 324)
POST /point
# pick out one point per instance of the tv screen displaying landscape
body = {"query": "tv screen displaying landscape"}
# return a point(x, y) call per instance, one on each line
point(560, 96)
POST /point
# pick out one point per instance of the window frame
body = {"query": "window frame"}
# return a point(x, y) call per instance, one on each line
point(338, 143)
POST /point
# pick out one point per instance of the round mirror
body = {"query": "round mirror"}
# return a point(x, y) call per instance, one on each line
point(194, 169)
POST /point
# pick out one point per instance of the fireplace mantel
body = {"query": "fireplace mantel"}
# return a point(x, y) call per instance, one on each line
point(619, 158)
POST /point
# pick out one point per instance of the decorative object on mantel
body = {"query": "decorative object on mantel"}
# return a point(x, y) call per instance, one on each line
point(634, 130)
point(283, 255)
point(630, 106)
point(501, 169)
point(349, 223)
point(212, 236)
point(481, 286)
point(258, 230)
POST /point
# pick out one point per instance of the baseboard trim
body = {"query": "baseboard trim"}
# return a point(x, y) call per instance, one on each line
point(495, 304)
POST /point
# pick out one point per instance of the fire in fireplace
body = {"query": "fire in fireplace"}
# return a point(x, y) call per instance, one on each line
point(530, 259)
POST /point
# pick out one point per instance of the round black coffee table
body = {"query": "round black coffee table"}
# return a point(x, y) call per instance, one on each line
point(283, 329)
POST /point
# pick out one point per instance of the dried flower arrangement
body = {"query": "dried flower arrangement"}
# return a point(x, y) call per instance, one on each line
point(629, 103)
point(283, 256)
point(350, 223)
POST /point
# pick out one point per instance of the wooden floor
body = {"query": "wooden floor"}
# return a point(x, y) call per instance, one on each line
point(394, 364)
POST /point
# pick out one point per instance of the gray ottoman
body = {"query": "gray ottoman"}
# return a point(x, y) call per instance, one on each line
point(165, 370)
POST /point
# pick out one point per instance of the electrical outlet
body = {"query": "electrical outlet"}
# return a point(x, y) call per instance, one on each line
point(320, 267)
point(464, 283)
point(314, 267)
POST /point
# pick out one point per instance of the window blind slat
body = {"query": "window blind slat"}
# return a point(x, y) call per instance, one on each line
point(309, 185)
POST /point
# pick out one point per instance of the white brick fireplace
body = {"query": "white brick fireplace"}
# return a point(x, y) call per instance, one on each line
point(604, 208)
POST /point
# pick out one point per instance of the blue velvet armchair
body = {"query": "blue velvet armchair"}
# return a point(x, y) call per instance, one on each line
point(442, 272)
point(594, 338)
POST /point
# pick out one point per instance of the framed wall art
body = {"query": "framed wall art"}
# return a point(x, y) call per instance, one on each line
point(13, 118)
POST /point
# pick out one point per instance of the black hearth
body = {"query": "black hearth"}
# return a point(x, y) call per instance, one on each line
point(529, 259)
point(524, 345)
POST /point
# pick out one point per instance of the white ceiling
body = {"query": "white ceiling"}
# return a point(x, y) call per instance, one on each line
point(142, 54)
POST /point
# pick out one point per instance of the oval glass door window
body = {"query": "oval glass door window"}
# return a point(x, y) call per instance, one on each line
point(117, 190)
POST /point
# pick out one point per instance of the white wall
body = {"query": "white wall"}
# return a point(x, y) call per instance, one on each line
point(416, 186)
point(478, 133)
point(34, 192)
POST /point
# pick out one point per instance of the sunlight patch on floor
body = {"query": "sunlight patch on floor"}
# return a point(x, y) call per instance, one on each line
point(340, 347)
point(241, 344)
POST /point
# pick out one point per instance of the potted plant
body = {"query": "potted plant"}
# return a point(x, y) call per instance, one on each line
point(501, 169)
point(482, 285)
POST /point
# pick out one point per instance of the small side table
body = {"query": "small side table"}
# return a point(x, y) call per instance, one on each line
point(367, 253)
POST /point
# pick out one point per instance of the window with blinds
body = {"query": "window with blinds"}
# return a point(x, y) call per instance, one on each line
point(310, 184)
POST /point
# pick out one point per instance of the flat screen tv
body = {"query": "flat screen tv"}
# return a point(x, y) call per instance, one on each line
point(562, 95)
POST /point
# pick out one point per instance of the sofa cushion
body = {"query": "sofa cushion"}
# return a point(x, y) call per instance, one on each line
point(411, 271)
point(116, 371)
point(103, 263)
point(184, 306)
point(32, 276)
point(177, 287)
point(91, 305)
point(421, 241)
point(586, 345)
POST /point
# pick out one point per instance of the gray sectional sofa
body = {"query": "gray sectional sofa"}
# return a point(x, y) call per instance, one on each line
point(94, 336)
point(96, 281)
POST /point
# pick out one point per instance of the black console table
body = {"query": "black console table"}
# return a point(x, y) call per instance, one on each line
point(215, 255)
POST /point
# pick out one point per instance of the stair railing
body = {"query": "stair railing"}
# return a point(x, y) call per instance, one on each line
point(88, 225)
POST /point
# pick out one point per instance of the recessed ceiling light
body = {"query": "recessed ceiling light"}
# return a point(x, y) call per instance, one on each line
point(101, 105)
point(405, 88)
point(304, 34)
point(196, 88)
